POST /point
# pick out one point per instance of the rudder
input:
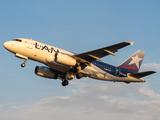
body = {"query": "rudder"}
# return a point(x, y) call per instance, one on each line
point(133, 63)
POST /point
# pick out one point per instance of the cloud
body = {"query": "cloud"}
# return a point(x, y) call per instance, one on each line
point(149, 93)
point(92, 100)
point(150, 66)
point(117, 90)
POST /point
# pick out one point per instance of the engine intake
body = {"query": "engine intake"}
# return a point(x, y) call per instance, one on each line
point(45, 72)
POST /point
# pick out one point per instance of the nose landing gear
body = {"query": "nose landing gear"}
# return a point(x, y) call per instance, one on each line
point(23, 64)
point(22, 57)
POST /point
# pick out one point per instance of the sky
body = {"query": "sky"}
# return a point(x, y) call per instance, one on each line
point(80, 26)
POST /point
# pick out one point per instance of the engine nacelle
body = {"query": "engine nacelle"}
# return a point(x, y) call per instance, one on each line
point(45, 72)
point(66, 60)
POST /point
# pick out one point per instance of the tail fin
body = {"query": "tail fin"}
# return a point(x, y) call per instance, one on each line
point(133, 63)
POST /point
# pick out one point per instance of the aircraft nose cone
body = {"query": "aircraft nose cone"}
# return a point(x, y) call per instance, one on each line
point(6, 45)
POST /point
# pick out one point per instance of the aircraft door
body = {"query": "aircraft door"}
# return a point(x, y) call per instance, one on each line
point(117, 71)
point(30, 44)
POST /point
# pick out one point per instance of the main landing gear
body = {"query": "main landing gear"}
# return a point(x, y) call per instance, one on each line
point(79, 76)
point(23, 64)
point(65, 82)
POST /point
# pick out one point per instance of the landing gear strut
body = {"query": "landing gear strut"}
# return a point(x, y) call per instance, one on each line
point(65, 82)
point(23, 64)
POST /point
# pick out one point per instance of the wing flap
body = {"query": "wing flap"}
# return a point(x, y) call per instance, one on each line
point(141, 74)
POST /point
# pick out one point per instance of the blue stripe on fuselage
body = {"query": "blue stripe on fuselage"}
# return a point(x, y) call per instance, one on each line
point(116, 71)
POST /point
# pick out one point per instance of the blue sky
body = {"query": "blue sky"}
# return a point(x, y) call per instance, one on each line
point(79, 26)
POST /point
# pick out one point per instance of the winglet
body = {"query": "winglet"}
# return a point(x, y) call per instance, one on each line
point(131, 43)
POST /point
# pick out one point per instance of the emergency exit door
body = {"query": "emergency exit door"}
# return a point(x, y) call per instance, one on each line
point(117, 71)
point(30, 44)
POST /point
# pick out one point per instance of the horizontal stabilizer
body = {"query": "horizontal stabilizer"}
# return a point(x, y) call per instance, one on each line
point(141, 74)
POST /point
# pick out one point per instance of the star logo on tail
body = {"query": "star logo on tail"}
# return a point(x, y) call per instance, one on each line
point(136, 60)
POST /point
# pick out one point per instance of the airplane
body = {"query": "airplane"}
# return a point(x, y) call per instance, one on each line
point(64, 65)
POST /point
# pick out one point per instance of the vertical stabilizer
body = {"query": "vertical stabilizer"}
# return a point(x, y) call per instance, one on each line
point(133, 63)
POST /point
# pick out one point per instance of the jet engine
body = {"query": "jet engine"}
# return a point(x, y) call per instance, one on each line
point(45, 72)
point(65, 59)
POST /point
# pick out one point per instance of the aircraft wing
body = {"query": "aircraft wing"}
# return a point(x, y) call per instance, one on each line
point(90, 56)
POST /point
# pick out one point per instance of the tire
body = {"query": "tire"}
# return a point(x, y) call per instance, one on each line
point(23, 65)
point(78, 76)
point(64, 83)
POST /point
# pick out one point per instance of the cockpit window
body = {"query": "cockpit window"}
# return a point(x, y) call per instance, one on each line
point(17, 40)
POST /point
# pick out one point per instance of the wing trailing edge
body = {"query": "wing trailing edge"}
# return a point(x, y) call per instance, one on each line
point(90, 56)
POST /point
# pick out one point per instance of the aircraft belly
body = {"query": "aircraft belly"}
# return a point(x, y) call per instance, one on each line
point(123, 79)
point(100, 77)
point(97, 73)
point(109, 77)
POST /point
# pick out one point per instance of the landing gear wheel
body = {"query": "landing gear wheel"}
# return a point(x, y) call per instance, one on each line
point(65, 82)
point(78, 76)
point(23, 65)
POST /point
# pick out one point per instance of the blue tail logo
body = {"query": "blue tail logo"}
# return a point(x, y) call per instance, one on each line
point(133, 63)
